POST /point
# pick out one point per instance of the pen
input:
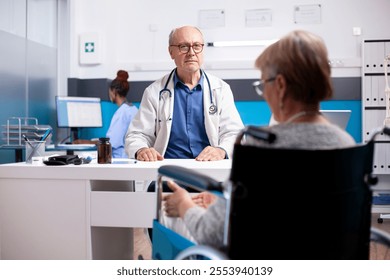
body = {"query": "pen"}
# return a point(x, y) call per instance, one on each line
point(27, 140)
point(47, 133)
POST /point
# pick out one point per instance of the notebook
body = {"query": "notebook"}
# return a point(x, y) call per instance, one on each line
point(338, 117)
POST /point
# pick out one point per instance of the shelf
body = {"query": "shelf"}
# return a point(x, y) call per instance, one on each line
point(16, 127)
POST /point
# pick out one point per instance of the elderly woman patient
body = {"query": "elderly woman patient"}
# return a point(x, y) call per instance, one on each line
point(295, 77)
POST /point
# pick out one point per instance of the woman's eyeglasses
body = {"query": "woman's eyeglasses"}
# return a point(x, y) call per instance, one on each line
point(259, 85)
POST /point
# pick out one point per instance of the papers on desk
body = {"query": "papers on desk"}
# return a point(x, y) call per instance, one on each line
point(123, 161)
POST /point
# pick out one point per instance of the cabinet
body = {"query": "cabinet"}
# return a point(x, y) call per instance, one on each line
point(376, 55)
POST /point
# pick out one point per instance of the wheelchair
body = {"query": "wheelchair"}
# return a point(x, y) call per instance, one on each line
point(289, 205)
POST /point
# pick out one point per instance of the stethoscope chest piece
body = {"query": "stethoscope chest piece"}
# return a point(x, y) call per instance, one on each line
point(212, 109)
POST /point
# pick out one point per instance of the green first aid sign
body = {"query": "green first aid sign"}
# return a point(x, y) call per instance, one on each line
point(89, 47)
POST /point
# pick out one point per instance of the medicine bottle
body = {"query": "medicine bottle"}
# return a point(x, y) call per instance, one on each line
point(104, 150)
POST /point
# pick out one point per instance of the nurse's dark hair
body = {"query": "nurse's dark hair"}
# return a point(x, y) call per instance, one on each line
point(120, 83)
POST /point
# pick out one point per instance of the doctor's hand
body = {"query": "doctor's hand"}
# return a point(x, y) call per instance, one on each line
point(211, 153)
point(148, 154)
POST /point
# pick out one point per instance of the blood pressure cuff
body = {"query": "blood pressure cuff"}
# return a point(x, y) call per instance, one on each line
point(63, 160)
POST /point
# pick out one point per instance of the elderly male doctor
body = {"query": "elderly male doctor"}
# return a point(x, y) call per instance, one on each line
point(187, 113)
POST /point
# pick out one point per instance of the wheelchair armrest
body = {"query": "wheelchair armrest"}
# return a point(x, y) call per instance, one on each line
point(190, 178)
point(256, 132)
point(261, 134)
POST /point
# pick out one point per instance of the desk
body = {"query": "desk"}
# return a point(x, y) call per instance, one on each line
point(50, 148)
point(80, 212)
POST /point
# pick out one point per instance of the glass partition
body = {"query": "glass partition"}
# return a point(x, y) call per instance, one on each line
point(28, 68)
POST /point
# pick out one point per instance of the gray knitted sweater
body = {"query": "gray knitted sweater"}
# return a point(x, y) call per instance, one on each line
point(206, 226)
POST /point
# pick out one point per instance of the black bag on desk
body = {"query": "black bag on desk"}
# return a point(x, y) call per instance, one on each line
point(63, 160)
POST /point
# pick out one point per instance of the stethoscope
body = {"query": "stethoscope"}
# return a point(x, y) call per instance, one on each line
point(212, 108)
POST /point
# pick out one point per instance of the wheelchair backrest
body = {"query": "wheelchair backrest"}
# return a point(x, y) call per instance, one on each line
point(300, 204)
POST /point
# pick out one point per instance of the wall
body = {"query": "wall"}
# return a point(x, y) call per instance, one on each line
point(133, 35)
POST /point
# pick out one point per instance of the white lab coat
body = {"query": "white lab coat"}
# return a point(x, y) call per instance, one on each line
point(151, 126)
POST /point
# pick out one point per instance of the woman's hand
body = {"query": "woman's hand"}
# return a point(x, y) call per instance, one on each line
point(177, 203)
point(204, 199)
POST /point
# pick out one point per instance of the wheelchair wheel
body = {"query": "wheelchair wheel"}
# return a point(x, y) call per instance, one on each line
point(201, 252)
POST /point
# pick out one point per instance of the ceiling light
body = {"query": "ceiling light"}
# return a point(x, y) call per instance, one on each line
point(241, 43)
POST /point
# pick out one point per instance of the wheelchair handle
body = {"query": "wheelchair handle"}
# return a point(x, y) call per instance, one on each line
point(190, 178)
point(379, 130)
point(258, 133)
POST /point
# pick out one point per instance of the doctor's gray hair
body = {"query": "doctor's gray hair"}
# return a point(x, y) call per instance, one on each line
point(173, 32)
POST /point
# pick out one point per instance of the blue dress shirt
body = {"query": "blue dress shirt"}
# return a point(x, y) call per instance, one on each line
point(188, 134)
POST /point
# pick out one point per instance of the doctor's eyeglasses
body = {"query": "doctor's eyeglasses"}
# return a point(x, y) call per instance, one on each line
point(259, 85)
point(197, 48)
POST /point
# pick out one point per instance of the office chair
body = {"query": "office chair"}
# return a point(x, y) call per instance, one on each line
point(305, 204)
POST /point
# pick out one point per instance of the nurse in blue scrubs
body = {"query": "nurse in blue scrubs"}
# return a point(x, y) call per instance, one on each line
point(122, 117)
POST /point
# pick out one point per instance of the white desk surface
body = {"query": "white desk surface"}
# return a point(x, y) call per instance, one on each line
point(141, 170)
point(80, 211)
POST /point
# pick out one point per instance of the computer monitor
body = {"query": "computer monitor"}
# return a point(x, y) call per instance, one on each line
point(78, 112)
point(338, 117)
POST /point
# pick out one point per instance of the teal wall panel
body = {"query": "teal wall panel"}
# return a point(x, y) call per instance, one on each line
point(251, 112)
point(258, 113)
